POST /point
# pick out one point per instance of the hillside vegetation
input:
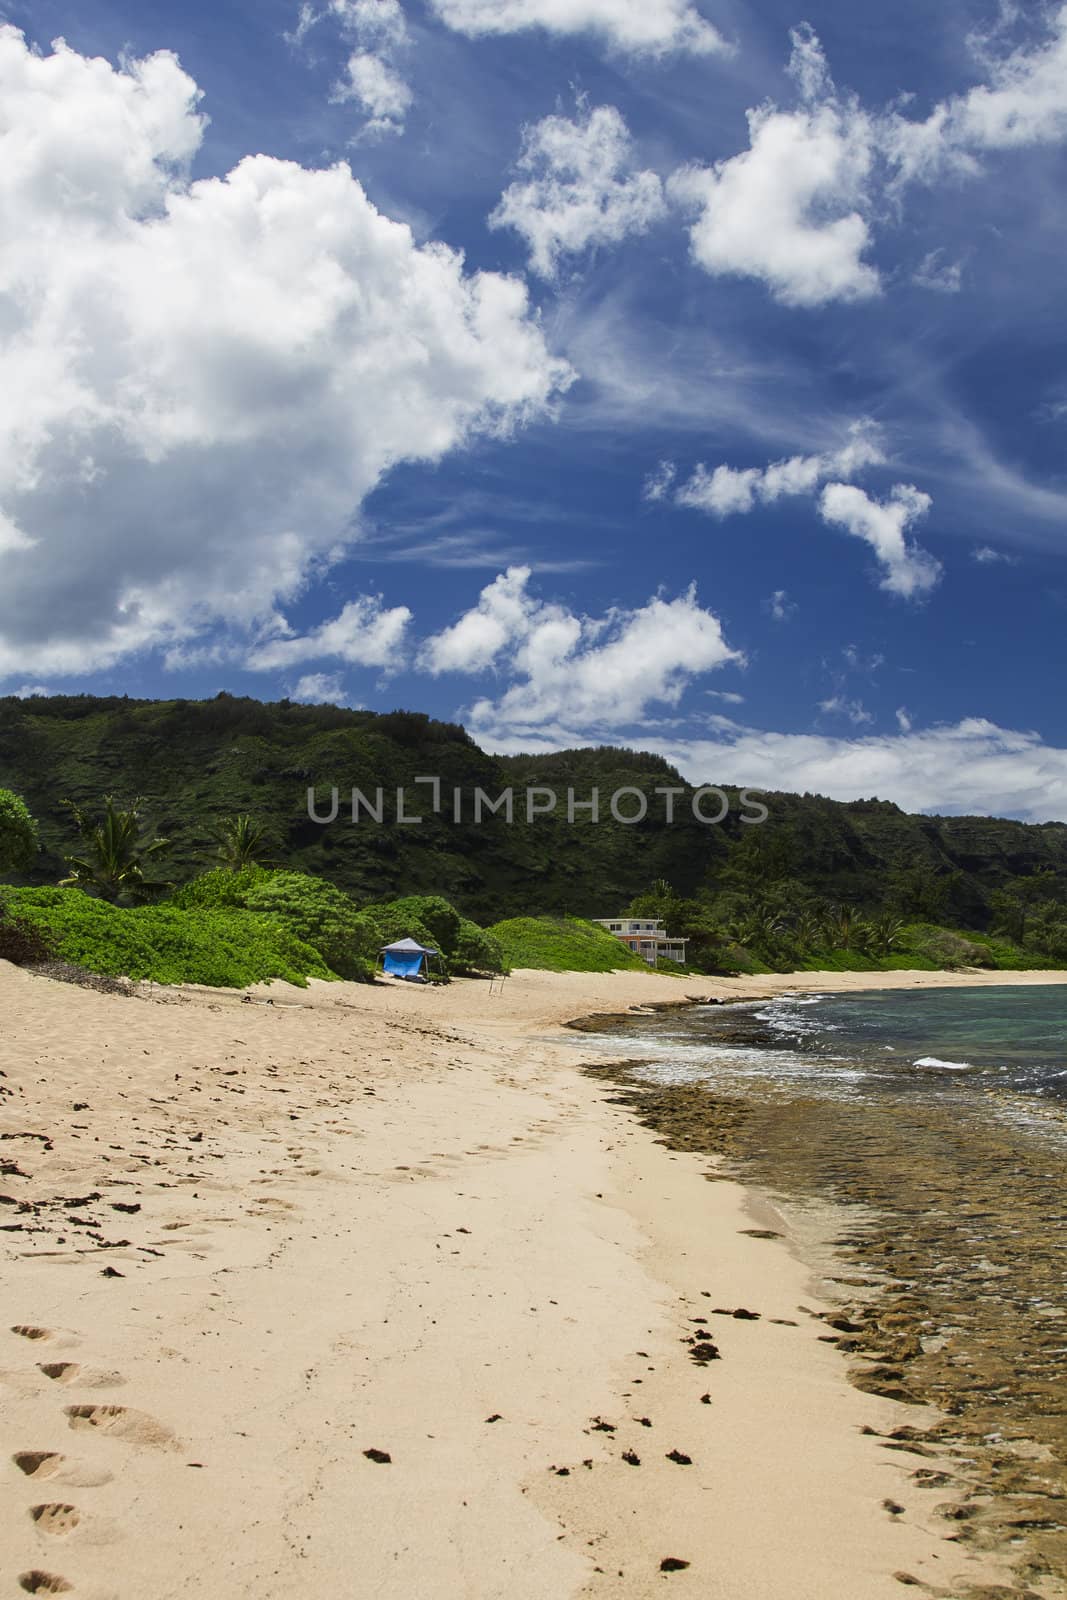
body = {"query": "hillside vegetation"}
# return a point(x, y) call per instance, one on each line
point(861, 885)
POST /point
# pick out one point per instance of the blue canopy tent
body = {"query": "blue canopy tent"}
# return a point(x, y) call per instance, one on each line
point(407, 959)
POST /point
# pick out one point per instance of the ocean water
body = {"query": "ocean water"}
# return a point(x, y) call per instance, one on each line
point(958, 1043)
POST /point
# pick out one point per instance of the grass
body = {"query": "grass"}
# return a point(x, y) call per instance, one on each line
point(562, 944)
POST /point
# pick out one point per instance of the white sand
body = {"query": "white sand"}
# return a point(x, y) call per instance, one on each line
point(316, 1270)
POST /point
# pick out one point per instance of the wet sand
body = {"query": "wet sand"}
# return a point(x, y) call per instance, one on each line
point(369, 1292)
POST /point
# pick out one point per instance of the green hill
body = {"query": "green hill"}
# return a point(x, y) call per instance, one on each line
point(194, 763)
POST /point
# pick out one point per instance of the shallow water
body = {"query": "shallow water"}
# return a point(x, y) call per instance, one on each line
point(937, 1123)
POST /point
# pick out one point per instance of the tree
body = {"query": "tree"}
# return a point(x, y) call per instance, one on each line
point(243, 842)
point(117, 851)
point(18, 834)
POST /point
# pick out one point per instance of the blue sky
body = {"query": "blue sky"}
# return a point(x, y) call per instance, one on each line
point(688, 376)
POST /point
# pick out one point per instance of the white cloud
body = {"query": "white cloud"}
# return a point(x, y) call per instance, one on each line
point(1024, 102)
point(379, 89)
point(908, 570)
point(944, 277)
point(648, 27)
point(790, 209)
point(364, 634)
point(971, 767)
point(582, 189)
point(841, 706)
point(476, 641)
point(320, 688)
point(986, 556)
point(659, 483)
point(32, 691)
point(780, 606)
point(730, 490)
point(904, 722)
point(591, 673)
point(203, 380)
point(372, 76)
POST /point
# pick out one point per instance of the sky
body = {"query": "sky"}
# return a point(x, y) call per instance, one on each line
point(677, 374)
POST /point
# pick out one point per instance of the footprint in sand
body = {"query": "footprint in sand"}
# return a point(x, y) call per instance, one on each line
point(38, 1463)
point(42, 1464)
point(72, 1372)
point(37, 1582)
point(135, 1427)
point(26, 1330)
point(56, 1518)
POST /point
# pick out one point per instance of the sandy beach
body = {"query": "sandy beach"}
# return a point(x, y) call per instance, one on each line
point(367, 1291)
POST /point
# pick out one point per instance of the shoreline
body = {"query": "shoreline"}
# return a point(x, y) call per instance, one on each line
point(254, 1242)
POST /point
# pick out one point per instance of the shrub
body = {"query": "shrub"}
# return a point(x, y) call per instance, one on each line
point(21, 943)
point(225, 948)
point(319, 915)
point(219, 888)
point(562, 944)
point(952, 950)
point(476, 950)
point(440, 921)
point(18, 833)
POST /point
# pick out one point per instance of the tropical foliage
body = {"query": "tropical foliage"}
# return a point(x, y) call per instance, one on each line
point(116, 850)
point(225, 948)
point(243, 842)
point(18, 834)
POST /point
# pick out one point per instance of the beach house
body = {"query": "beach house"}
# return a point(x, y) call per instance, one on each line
point(646, 938)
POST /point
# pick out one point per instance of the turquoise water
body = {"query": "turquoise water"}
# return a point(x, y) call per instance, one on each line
point(1011, 1038)
point(940, 1043)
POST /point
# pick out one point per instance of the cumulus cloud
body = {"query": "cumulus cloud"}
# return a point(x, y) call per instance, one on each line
point(203, 380)
point(791, 210)
point(907, 569)
point(320, 688)
point(727, 491)
point(590, 673)
point(379, 89)
point(1024, 102)
point(581, 188)
point(647, 27)
point(364, 634)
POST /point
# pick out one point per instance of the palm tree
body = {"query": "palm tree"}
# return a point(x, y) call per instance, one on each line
point(117, 850)
point(809, 931)
point(243, 843)
point(847, 928)
point(884, 935)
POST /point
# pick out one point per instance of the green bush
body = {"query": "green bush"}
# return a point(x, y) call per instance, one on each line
point(18, 833)
point(219, 888)
point(439, 921)
point(950, 950)
point(476, 951)
point(562, 944)
point(21, 943)
point(226, 948)
point(319, 915)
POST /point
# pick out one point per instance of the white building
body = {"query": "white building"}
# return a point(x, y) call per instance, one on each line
point(646, 938)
